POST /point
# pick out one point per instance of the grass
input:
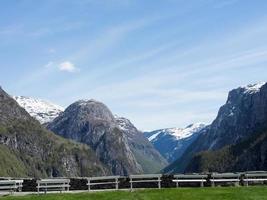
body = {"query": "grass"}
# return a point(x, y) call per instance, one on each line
point(219, 193)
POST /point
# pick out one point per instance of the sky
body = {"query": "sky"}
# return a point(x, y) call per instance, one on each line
point(160, 63)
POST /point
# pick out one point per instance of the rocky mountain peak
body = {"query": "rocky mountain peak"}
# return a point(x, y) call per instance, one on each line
point(253, 88)
point(85, 109)
point(236, 95)
point(91, 122)
point(125, 124)
point(246, 104)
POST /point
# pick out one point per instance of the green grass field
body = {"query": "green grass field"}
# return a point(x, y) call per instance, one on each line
point(219, 193)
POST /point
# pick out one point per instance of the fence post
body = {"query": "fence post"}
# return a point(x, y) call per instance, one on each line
point(20, 187)
point(212, 184)
point(117, 184)
point(131, 183)
point(159, 182)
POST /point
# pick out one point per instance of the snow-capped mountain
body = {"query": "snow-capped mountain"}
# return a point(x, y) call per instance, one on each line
point(41, 110)
point(172, 142)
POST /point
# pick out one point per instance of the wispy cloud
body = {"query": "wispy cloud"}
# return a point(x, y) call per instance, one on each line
point(110, 37)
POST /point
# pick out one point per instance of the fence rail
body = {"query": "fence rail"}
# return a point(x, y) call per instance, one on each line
point(132, 182)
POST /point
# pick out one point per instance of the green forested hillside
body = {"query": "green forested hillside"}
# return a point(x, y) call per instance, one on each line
point(248, 155)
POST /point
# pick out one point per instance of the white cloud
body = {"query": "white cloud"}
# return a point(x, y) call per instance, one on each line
point(68, 67)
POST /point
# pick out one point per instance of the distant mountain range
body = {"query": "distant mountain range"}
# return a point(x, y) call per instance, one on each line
point(172, 142)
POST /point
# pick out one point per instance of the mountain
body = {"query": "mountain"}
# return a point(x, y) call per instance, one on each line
point(172, 142)
point(41, 110)
point(146, 155)
point(27, 149)
point(243, 115)
point(92, 123)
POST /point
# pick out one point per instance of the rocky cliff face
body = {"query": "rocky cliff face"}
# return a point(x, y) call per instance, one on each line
point(146, 155)
point(244, 114)
point(92, 123)
point(27, 149)
point(172, 142)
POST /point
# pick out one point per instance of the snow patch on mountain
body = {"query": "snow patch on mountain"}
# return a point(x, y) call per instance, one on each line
point(253, 88)
point(152, 137)
point(173, 142)
point(42, 110)
point(178, 133)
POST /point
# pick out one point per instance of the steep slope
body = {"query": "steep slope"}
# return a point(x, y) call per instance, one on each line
point(41, 110)
point(172, 142)
point(92, 123)
point(247, 155)
point(146, 155)
point(244, 114)
point(27, 149)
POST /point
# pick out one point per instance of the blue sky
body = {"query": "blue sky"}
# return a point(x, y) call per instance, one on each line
point(160, 63)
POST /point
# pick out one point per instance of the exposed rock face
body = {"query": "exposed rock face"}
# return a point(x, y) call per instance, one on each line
point(41, 110)
point(172, 142)
point(244, 114)
point(146, 155)
point(92, 123)
point(27, 149)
